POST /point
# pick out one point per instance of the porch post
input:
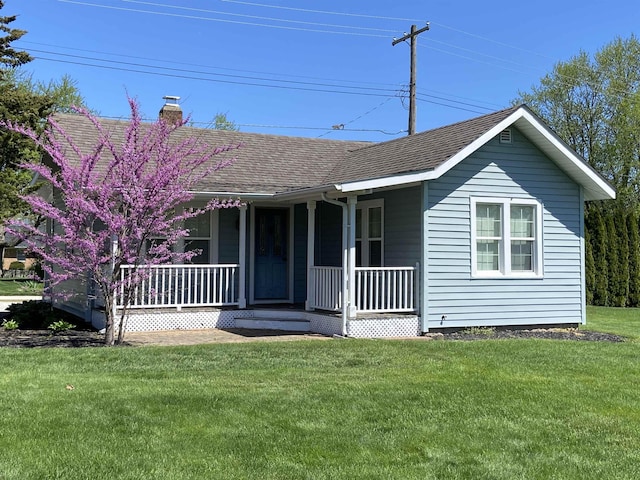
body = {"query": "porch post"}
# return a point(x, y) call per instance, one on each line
point(311, 232)
point(351, 266)
point(242, 258)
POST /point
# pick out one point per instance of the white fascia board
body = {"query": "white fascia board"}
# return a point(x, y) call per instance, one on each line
point(400, 179)
point(233, 194)
point(602, 189)
point(310, 193)
point(440, 170)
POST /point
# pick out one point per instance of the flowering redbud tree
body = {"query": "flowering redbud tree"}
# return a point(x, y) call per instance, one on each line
point(115, 200)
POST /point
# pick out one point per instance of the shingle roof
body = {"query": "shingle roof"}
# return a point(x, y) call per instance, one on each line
point(416, 153)
point(264, 164)
point(272, 164)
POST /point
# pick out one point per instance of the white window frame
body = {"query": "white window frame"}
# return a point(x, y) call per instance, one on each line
point(208, 238)
point(364, 239)
point(505, 269)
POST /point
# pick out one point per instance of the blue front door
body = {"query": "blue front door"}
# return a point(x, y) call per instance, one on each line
point(271, 254)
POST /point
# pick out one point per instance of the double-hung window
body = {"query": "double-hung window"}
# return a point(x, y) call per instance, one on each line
point(369, 234)
point(199, 237)
point(506, 237)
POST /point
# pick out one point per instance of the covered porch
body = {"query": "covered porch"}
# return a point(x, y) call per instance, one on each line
point(338, 292)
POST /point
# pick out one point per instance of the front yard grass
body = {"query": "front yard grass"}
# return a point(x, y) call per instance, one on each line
point(15, 287)
point(619, 321)
point(343, 409)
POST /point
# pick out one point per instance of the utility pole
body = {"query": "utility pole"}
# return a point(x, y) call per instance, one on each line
point(412, 81)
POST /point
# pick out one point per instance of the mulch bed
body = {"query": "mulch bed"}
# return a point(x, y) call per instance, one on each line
point(543, 333)
point(91, 338)
point(44, 338)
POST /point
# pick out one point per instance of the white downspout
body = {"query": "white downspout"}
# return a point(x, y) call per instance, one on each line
point(345, 260)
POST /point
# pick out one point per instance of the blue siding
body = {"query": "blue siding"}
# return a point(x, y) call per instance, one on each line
point(517, 170)
point(229, 235)
point(402, 210)
point(328, 226)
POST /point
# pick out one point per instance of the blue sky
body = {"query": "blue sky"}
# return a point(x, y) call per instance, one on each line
point(271, 64)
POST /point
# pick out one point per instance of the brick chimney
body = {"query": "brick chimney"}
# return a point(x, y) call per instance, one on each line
point(171, 111)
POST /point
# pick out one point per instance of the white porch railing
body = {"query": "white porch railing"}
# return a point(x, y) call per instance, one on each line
point(378, 289)
point(182, 286)
point(326, 285)
point(386, 289)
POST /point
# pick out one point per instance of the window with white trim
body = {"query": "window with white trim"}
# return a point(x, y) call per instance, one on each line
point(199, 237)
point(506, 237)
point(369, 233)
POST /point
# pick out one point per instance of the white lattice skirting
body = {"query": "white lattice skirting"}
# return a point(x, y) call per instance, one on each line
point(408, 326)
point(195, 319)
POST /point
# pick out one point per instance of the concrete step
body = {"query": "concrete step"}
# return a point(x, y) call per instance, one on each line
point(273, 323)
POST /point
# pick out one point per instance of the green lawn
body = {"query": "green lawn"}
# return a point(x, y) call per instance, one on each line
point(621, 321)
point(342, 409)
point(10, 287)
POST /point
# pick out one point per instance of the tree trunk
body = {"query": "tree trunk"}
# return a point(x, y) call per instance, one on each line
point(109, 337)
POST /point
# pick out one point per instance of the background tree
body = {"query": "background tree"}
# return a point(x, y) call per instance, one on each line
point(27, 102)
point(634, 259)
point(112, 200)
point(8, 56)
point(222, 122)
point(593, 103)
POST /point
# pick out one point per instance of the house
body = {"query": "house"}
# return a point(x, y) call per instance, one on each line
point(479, 223)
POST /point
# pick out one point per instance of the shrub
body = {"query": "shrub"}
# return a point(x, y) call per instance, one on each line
point(17, 265)
point(33, 314)
point(37, 270)
point(60, 326)
point(10, 325)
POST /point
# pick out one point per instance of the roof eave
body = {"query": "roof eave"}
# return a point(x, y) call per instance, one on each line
point(595, 186)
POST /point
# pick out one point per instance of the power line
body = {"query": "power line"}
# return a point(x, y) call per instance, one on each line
point(324, 12)
point(451, 106)
point(236, 22)
point(208, 73)
point(442, 25)
point(208, 125)
point(454, 101)
point(342, 126)
point(381, 17)
point(231, 76)
point(255, 17)
point(77, 2)
point(177, 62)
point(188, 77)
point(282, 87)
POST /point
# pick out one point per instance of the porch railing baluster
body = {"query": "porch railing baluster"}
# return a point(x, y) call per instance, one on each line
point(378, 289)
point(181, 286)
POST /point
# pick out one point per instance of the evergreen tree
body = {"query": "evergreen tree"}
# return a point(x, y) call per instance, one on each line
point(613, 261)
point(590, 279)
point(600, 245)
point(621, 293)
point(634, 259)
point(593, 103)
point(8, 56)
point(26, 102)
